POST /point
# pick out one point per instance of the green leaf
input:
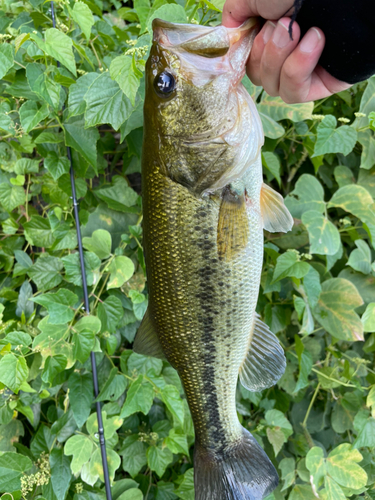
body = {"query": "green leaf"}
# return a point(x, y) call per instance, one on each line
point(302, 492)
point(342, 466)
point(52, 367)
point(26, 166)
point(288, 474)
point(334, 492)
point(142, 8)
point(172, 399)
point(59, 46)
point(45, 88)
point(81, 139)
point(106, 103)
point(288, 264)
point(272, 162)
point(122, 71)
point(114, 386)
point(134, 456)
point(368, 318)
point(6, 58)
point(31, 115)
point(305, 364)
point(48, 138)
point(121, 269)
point(356, 200)
point(115, 223)
point(84, 337)
point(277, 109)
point(110, 313)
point(169, 12)
point(59, 305)
point(110, 425)
point(46, 272)
point(323, 235)
point(13, 371)
point(271, 128)
point(12, 468)
point(96, 464)
point(11, 197)
point(73, 272)
point(316, 464)
point(131, 494)
point(82, 15)
point(185, 491)
point(279, 429)
point(360, 258)
point(119, 196)
point(24, 303)
point(139, 398)
point(177, 442)
point(76, 102)
point(100, 243)
point(38, 232)
point(366, 435)
point(81, 396)
point(308, 194)
point(81, 448)
point(60, 473)
point(56, 165)
point(335, 309)
point(334, 140)
point(158, 459)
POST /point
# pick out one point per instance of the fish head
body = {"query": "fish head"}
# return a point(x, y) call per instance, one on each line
point(195, 106)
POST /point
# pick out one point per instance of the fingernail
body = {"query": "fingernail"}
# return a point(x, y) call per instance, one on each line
point(281, 36)
point(268, 29)
point(310, 40)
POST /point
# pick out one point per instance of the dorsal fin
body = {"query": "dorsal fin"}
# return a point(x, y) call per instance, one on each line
point(276, 217)
point(265, 362)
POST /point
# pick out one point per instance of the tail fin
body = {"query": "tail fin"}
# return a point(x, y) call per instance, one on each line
point(242, 472)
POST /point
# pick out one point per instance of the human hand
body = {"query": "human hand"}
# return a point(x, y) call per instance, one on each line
point(284, 67)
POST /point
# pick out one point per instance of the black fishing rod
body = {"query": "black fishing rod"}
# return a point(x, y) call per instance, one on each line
point(87, 309)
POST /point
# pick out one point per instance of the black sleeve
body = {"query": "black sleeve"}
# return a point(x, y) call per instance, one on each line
point(349, 28)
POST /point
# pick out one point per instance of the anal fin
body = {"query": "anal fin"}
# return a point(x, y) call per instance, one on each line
point(265, 362)
point(275, 215)
point(233, 225)
point(146, 341)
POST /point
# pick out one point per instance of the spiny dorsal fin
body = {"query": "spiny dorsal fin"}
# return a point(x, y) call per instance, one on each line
point(233, 225)
point(276, 217)
point(146, 341)
point(265, 362)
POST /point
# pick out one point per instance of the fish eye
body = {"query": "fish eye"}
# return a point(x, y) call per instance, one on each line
point(164, 84)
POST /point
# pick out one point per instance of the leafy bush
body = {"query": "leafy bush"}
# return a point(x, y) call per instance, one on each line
point(317, 289)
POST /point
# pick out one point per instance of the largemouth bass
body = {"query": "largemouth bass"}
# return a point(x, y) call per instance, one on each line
point(205, 207)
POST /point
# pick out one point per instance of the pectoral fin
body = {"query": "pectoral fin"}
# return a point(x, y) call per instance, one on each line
point(276, 217)
point(233, 225)
point(146, 341)
point(265, 361)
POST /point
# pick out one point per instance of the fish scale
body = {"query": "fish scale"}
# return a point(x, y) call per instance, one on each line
point(205, 207)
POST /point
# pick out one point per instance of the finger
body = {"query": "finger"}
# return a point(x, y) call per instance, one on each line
point(276, 52)
point(236, 12)
point(257, 50)
point(300, 80)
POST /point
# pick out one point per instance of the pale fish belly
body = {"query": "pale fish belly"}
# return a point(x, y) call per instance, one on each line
point(203, 306)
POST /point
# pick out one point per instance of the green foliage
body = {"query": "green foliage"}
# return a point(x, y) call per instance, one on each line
point(318, 423)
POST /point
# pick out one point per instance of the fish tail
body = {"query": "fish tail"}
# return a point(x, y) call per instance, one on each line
point(241, 472)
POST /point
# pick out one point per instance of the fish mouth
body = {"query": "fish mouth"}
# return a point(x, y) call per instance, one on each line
point(194, 44)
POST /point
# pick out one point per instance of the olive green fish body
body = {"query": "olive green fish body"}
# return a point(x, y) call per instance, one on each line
point(202, 306)
point(205, 207)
